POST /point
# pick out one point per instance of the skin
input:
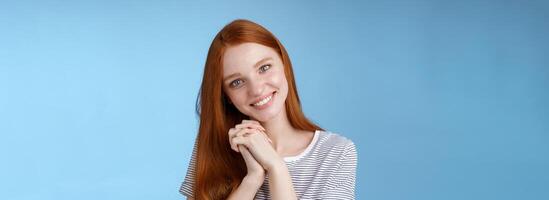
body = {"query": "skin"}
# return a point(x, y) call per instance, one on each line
point(268, 137)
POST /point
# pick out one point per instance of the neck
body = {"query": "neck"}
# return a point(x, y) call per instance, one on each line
point(280, 131)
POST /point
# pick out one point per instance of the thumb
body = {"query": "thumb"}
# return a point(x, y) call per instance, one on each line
point(245, 153)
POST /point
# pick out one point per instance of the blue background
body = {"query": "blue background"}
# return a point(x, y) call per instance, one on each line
point(444, 99)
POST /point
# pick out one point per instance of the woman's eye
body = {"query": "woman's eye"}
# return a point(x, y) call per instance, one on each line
point(236, 83)
point(264, 68)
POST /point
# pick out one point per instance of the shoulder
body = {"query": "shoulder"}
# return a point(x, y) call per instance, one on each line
point(334, 152)
point(335, 143)
point(328, 139)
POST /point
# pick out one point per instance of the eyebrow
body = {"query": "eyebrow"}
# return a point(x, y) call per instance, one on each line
point(255, 66)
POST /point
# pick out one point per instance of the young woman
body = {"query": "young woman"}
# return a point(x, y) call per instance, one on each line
point(254, 141)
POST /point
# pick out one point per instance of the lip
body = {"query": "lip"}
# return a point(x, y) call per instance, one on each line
point(262, 97)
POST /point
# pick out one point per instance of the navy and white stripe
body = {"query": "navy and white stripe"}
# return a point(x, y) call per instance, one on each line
point(326, 169)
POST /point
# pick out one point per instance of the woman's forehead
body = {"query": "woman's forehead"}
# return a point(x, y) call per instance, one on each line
point(246, 55)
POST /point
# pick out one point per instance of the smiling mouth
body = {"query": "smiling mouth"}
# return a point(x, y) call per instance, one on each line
point(263, 101)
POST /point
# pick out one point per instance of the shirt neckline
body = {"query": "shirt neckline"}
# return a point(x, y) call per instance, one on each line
point(306, 151)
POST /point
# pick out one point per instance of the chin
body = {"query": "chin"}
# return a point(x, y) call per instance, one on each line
point(265, 117)
point(262, 118)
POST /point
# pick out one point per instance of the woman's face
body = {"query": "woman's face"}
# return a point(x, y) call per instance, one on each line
point(254, 80)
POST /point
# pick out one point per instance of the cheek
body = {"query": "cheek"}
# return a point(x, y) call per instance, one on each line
point(239, 100)
point(236, 97)
point(278, 78)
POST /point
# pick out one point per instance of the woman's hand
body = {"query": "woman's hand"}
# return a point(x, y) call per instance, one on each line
point(255, 172)
point(251, 135)
point(252, 181)
point(250, 139)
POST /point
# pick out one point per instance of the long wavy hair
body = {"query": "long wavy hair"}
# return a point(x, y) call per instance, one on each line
point(219, 170)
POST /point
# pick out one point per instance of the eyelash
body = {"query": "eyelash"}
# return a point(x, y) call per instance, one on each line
point(232, 84)
point(262, 69)
point(268, 66)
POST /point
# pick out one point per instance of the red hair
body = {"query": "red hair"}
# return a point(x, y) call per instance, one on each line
point(219, 170)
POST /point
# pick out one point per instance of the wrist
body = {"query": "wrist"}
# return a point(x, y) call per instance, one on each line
point(253, 181)
point(277, 169)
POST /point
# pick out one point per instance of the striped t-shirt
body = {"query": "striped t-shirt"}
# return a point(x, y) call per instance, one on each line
point(326, 169)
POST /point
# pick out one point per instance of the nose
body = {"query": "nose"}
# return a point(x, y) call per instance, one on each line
point(256, 87)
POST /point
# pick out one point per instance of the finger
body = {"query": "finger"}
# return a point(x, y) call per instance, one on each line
point(243, 132)
point(249, 125)
point(245, 153)
point(240, 140)
point(240, 133)
point(232, 133)
point(244, 124)
point(262, 134)
point(235, 133)
point(250, 121)
point(266, 136)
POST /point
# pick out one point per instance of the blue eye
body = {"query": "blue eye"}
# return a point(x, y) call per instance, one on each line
point(236, 83)
point(264, 68)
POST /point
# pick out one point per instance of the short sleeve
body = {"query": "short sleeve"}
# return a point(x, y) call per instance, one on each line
point(188, 183)
point(341, 184)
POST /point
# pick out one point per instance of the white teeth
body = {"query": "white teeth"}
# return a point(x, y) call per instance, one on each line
point(264, 101)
